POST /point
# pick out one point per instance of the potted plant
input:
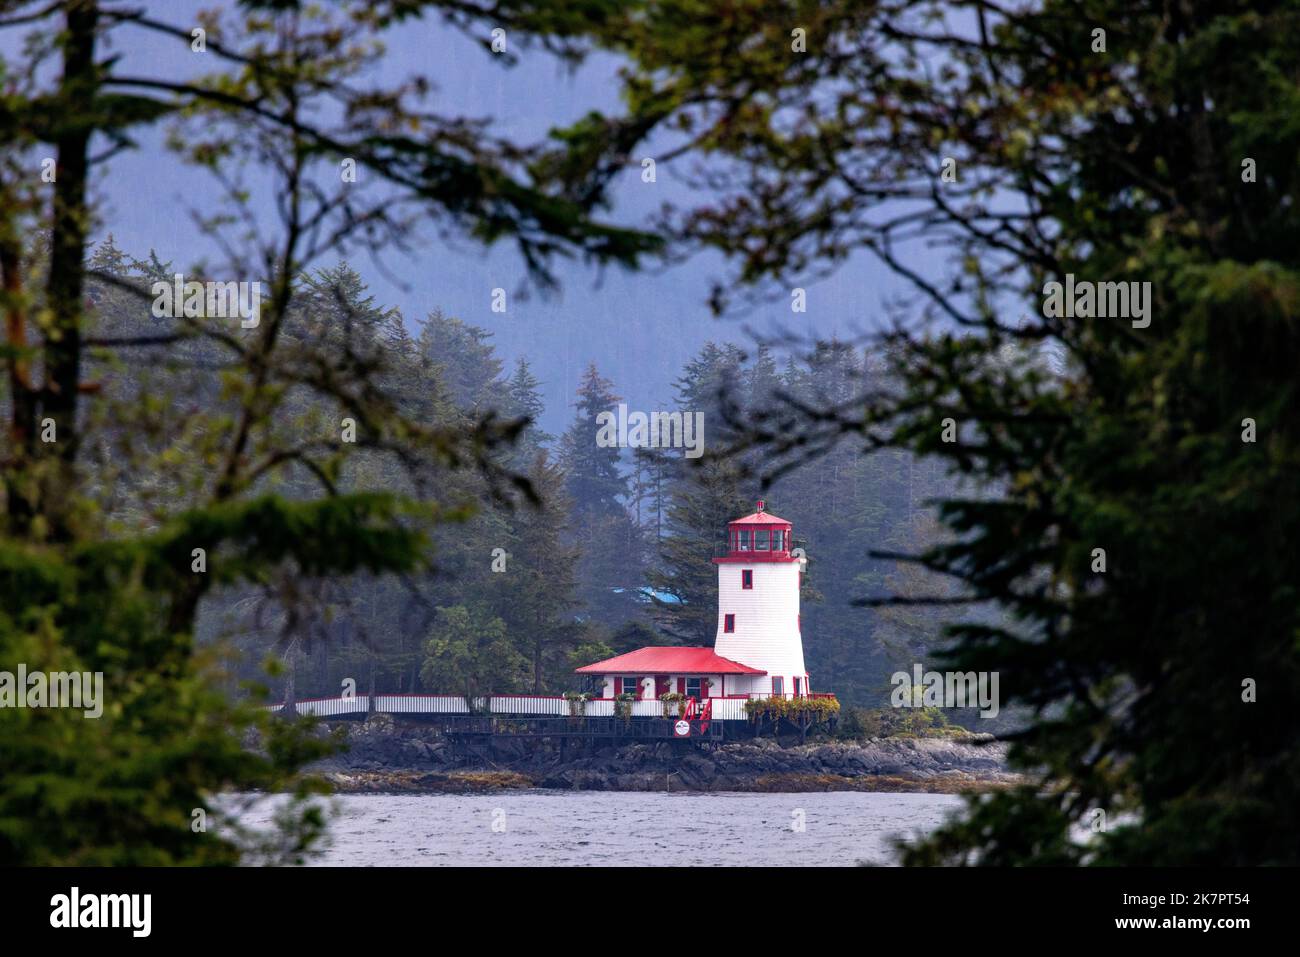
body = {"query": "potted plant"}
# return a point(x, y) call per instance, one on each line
point(577, 703)
point(623, 705)
point(674, 701)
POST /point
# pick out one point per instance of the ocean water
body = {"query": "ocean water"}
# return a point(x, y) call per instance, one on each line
point(608, 828)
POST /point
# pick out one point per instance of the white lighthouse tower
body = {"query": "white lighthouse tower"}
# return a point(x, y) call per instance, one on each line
point(758, 606)
point(758, 651)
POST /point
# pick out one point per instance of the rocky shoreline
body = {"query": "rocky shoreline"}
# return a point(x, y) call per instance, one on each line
point(386, 757)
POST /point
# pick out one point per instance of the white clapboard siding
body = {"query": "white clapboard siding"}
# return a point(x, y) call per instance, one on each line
point(767, 632)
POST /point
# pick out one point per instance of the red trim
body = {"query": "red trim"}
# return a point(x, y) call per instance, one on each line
point(752, 558)
point(747, 578)
point(760, 519)
point(729, 624)
point(435, 694)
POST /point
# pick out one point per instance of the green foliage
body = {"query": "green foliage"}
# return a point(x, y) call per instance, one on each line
point(577, 702)
point(792, 709)
point(926, 722)
point(700, 497)
point(674, 703)
point(468, 649)
point(623, 705)
point(123, 788)
point(610, 566)
point(196, 437)
point(589, 652)
point(1073, 432)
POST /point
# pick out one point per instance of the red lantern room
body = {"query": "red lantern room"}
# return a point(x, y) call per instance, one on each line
point(760, 537)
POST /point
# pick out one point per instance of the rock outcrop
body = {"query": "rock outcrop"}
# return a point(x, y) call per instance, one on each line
point(383, 754)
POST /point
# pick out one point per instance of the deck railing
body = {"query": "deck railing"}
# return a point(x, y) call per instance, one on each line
point(729, 708)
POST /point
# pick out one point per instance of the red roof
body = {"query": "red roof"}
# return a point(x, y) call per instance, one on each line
point(760, 518)
point(665, 660)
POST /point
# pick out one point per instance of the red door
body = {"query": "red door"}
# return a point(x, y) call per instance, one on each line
point(661, 685)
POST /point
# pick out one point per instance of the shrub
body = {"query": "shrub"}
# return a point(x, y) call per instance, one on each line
point(796, 709)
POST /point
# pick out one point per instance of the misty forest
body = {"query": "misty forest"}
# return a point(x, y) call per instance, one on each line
point(391, 489)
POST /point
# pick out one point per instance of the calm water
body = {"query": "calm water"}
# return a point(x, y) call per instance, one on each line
point(620, 828)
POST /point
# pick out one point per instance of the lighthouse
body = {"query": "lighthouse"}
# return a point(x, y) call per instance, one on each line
point(759, 621)
point(758, 649)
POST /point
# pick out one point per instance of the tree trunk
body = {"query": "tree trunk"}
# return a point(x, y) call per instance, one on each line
point(22, 425)
point(289, 706)
point(64, 290)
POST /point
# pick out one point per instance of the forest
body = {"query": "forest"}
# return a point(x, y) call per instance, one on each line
point(216, 513)
point(615, 551)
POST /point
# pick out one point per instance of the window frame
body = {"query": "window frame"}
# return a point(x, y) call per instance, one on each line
point(728, 624)
point(747, 579)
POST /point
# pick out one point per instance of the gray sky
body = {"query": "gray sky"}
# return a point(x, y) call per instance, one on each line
point(638, 328)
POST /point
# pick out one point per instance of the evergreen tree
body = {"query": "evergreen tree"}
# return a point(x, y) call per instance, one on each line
point(702, 496)
point(524, 401)
point(1130, 506)
point(610, 569)
point(538, 587)
point(593, 470)
point(468, 649)
point(469, 366)
point(702, 502)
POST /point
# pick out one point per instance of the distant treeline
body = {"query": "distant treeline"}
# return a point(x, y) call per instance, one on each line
point(610, 551)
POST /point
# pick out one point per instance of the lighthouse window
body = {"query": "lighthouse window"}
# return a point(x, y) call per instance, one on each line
point(729, 623)
point(747, 578)
point(778, 540)
point(744, 541)
point(760, 540)
point(778, 686)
